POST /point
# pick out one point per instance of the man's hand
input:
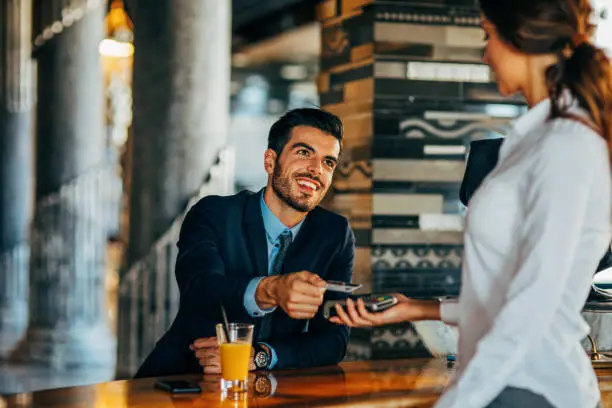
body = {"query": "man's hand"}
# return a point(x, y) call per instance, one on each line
point(206, 350)
point(299, 294)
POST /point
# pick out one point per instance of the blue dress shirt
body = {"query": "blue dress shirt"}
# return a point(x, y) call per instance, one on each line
point(274, 228)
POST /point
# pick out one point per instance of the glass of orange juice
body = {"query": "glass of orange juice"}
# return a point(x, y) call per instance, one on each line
point(235, 354)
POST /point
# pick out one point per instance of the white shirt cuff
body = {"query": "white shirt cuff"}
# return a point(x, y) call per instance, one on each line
point(449, 311)
point(250, 304)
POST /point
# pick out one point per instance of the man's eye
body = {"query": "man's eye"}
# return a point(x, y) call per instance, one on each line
point(303, 152)
point(330, 163)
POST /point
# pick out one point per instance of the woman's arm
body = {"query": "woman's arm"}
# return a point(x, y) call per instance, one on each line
point(407, 310)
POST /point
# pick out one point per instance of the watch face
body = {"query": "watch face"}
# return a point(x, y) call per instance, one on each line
point(261, 359)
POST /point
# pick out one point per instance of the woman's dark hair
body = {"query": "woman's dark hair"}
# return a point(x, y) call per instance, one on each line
point(560, 27)
point(280, 132)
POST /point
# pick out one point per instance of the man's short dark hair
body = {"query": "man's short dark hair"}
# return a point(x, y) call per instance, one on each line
point(280, 132)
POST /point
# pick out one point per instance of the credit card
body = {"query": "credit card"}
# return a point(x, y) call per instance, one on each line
point(336, 286)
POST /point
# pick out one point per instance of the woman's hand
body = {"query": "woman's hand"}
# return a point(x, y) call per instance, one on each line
point(406, 310)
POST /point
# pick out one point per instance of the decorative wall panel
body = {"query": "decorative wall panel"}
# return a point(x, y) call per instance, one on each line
point(408, 81)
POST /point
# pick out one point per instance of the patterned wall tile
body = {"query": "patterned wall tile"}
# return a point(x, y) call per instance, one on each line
point(358, 90)
point(416, 256)
point(450, 189)
point(435, 35)
point(362, 272)
point(363, 237)
point(399, 236)
point(445, 129)
point(353, 176)
point(359, 345)
point(346, 39)
point(421, 91)
point(357, 130)
point(418, 170)
point(427, 222)
point(406, 204)
point(354, 72)
point(433, 71)
point(412, 100)
point(418, 282)
point(356, 207)
point(418, 270)
point(400, 147)
point(398, 341)
point(358, 351)
point(344, 110)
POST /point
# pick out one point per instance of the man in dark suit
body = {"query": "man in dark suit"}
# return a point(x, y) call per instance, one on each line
point(265, 257)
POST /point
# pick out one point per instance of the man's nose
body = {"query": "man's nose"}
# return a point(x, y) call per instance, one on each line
point(315, 167)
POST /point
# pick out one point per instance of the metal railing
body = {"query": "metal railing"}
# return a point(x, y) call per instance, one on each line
point(148, 293)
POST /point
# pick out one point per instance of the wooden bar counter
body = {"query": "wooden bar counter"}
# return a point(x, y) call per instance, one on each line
point(388, 383)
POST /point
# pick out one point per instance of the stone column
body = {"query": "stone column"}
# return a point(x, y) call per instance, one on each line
point(67, 316)
point(180, 123)
point(181, 109)
point(16, 168)
point(408, 82)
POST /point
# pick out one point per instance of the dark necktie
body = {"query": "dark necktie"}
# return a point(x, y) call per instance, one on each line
point(285, 241)
point(277, 268)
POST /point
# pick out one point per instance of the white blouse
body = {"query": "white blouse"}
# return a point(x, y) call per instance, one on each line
point(536, 230)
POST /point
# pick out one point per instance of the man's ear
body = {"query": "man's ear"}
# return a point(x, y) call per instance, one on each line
point(269, 161)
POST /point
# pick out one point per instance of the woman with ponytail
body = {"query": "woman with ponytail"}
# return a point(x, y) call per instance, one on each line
point(538, 224)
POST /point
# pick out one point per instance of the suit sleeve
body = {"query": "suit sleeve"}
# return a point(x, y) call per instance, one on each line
point(324, 343)
point(200, 271)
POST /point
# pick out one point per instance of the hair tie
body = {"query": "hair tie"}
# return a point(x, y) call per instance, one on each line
point(579, 38)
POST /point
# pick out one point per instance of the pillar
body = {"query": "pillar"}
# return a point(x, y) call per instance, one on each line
point(408, 82)
point(180, 123)
point(67, 315)
point(16, 168)
point(181, 109)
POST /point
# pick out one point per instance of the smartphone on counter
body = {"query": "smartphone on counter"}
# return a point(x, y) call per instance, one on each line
point(178, 386)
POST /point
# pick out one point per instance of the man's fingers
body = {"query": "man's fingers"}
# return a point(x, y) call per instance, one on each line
point(301, 298)
point(308, 289)
point(206, 342)
point(301, 316)
point(210, 361)
point(315, 279)
point(209, 357)
point(302, 308)
point(206, 353)
point(212, 369)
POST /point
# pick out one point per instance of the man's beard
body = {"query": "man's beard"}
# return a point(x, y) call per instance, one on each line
point(281, 185)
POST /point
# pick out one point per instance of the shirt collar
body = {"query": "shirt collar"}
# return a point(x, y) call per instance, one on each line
point(532, 118)
point(273, 226)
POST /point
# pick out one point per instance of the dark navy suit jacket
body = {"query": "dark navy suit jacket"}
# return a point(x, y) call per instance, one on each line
point(222, 246)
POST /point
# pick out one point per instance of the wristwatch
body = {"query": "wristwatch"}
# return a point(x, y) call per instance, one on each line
point(263, 356)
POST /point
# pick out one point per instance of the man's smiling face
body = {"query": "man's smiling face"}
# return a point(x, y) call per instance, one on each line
point(303, 172)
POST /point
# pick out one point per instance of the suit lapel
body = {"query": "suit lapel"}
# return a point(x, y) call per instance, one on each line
point(256, 234)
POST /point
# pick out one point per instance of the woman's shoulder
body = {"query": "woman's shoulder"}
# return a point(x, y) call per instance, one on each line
point(566, 138)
